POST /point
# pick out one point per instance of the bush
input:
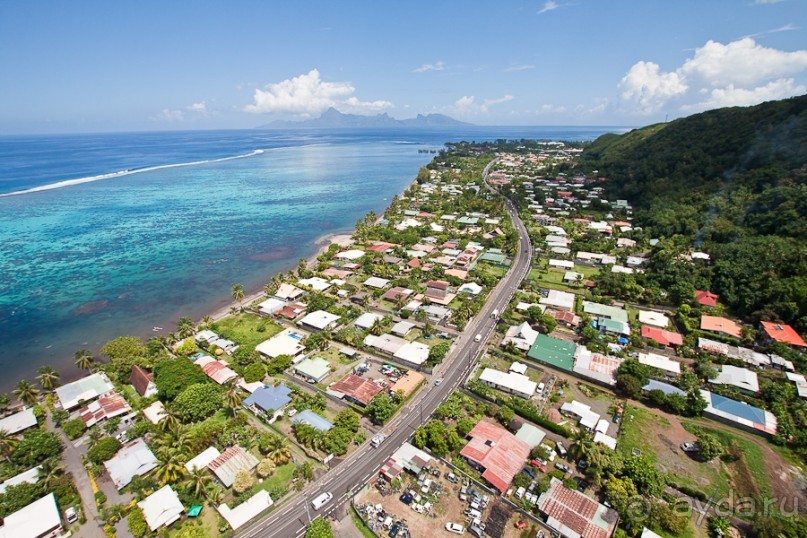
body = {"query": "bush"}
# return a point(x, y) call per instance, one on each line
point(100, 498)
point(103, 450)
point(74, 428)
point(266, 467)
point(36, 446)
point(254, 372)
point(137, 522)
point(173, 376)
point(243, 481)
point(197, 402)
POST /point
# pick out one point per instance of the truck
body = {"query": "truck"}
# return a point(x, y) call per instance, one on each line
point(322, 500)
point(495, 313)
point(377, 440)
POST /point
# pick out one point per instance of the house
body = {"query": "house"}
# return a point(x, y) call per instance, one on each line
point(109, 405)
point(19, 421)
point(271, 306)
point(83, 390)
point(721, 325)
point(356, 389)
point(530, 434)
point(739, 414)
point(741, 378)
point(315, 283)
point(397, 294)
point(575, 515)
point(312, 419)
point(413, 352)
point(554, 352)
point(376, 282)
point(656, 319)
point(366, 320)
point(216, 370)
point(288, 292)
point(613, 327)
point(561, 264)
point(664, 337)
point(319, 320)
point(799, 381)
point(780, 332)
point(587, 418)
point(706, 298)
point(142, 382)
point(509, 382)
point(161, 508)
point(133, 459)
point(291, 311)
point(232, 460)
point(471, 287)
point(666, 365)
point(386, 342)
point(407, 383)
point(31, 476)
point(203, 459)
point(521, 336)
point(437, 292)
point(569, 319)
point(349, 255)
point(313, 370)
point(207, 336)
point(402, 328)
point(436, 313)
point(408, 457)
point(499, 454)
point(561, 300)
point(40, 519)
point(268, 399)
point(237, 517)
point(286, 342)
point(573, 277)
point(605, 439)
point(598, 310)
point(666, 388)
point(624, 242)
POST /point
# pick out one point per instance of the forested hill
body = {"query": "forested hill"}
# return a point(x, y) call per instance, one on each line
point(733, 182)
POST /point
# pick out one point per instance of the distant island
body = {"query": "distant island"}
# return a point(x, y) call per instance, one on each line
point(333, 119)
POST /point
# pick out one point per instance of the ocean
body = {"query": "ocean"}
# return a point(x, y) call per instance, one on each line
point(113, 234)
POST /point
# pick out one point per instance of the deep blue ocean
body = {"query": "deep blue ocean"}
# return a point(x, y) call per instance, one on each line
point(125, 249)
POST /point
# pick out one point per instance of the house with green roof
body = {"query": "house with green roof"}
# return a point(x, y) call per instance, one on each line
point(598, 310)
point(313, 370)
point(553, 352)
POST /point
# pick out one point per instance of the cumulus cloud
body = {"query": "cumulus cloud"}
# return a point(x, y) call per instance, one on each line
point(467, 105)
point(199, 107)
point(549, 5)
point(741, 72)
point(308, 95)
point(190, 112)
point(437, 66)
point(514, 68)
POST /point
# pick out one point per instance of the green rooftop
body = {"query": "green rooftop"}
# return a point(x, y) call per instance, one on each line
point(605, 311)
point(554, 352)
point(493, 258)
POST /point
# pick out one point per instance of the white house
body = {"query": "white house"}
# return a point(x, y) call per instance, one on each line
point(319, 320)
point(510, 382)
point(161, 508)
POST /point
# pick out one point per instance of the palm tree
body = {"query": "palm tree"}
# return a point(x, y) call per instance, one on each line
point(581, 445)
point(26, 393)
point(84, 359)
point(279, 450)
point(7, 443)
point(170, 421)
point(185, 327)
point(170, 467)
point(198, 482)
point(237, 291)
point(49, 472)
point(48, 377)
point(232, 398)
point(272, 286)
point(215, 495)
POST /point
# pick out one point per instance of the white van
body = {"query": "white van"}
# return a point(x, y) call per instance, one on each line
point(377, 440)
point(322, 500)
point(478, 338)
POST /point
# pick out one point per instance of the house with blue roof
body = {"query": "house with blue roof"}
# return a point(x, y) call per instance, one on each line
point(666, 388)
point(312, 419)
point(268, 399)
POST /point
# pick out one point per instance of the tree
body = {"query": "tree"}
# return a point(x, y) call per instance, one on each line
point(26, 393)
point(266, 467)
point(237, 293)
point(137, 522)
point(198, 482)
point(171, 465)
point(123, 347)
point(103, 450)
point(438, 352)
point(232, 397)
point(84, 359)
point(277, 365)
point(243, 481)
point(185, 327)
point(695, 404)
point(629, 385)
point(254, 372)
point(169, 421)
point(644, 474)
point(48, 377)
point(276, 448)
point(505, 415)
point(173, 376)
point(381, 408)
point(74, 428)
point(7, 443)
point(347, 419)
point(710, 446)
point(319, 528)
point(198, 401)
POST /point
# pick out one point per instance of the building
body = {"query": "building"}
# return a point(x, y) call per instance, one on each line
point(251, 508)
point(553, 352)
point(799, 381)
point(561, 300)
point(376, 282)
point(437, 291)
point(315, 283)
point(83, 390)
point(40, 519)
point(596, 366)
point(386, 342)
point(313, 370)
point(216, 370)
point(18, 421)
point(587, 418)
point(661, 363)
point(203, 459)
point(780, 332)
point(739, 414)
point(662, 336)
point(291, 311)
point(396, 294)
point(521, 336)
point(312, 419)
point(509, 382)
point(666, 388)
point(109, 405)
point(161, 508)
point(155, 412)
point(413, 352)
point(499, 454)
point(286, 342)
point(366, 320)
point(402, 328)
point(288, 292)
point(356, 389)
point(530, 434)
point(722, 326)
point(741, 378)
point(597, 310)
point(141, 381)
point(133, 459)
point(656, 319)
point(575, 515)
point(271, 306)
point(268, 399)
point(407, 458)
point(230, 462)
point(319, 320)
point(706, 298)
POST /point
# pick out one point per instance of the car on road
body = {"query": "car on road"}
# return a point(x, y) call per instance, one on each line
point(456, 528)
point(437, 382)
point(321, 500)
point(377, 440)
point(478, 338)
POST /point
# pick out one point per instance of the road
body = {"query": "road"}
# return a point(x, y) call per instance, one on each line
point(346, 478)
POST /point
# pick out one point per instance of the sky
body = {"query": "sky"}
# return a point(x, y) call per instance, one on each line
point(94, 66)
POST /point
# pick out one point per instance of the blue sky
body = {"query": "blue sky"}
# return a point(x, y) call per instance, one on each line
point(147, 65)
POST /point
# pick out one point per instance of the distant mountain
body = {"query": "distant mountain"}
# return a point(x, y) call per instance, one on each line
point(333, 119)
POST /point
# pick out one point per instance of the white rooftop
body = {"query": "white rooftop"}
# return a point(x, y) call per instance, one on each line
point(656, 319)
point(288, 291)
point(413, 352)
point(661, 362)
point(31, 476)
point(161, 508)
point(315, 283)
point(84, 389)
point(286, 342)
point(606, 440)
point(236, 517)
point(366, 320)
point(737, 377)
point(202, 460)
point(18, 421)
point(155, 412)
point(518, 383)
point(319, 319)
point(271, 305)
point(376, 282)
point(37, 519)
point(133, 459)
point(559, 299)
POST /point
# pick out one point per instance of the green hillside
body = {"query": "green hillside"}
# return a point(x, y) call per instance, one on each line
point(732, 182)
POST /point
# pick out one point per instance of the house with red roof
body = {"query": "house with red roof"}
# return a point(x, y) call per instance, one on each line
point(781, 332)
point(356, 389)
point(499, 454)
point(662, 336)
point(573, 514)
point(706, 298)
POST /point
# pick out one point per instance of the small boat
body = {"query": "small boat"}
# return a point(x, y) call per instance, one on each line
point(155, 328)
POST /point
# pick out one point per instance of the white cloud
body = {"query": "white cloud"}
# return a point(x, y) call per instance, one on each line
point(649, 88)
point(437, 66)
point(307, 96)
point(551, 109)
point(741, 72)
point(514, 68)
point(190, 112)
point(168, 115)
point(549, 5)
point(784, 28)
point(467, 105)
point(200, 107)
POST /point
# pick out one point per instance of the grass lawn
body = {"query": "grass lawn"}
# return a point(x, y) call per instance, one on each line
point(281, 477)
point(246, 330)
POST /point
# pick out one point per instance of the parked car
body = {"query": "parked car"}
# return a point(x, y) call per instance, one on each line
point(690, 447)
point(456, 528)
point(563, 467)
point(529, 472)
point(70, 515)
point(582, 464)
point(405, 498)
point(451, 477)
point(541, 465)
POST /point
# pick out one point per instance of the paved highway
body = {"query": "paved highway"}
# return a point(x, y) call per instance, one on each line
point(346, 478)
